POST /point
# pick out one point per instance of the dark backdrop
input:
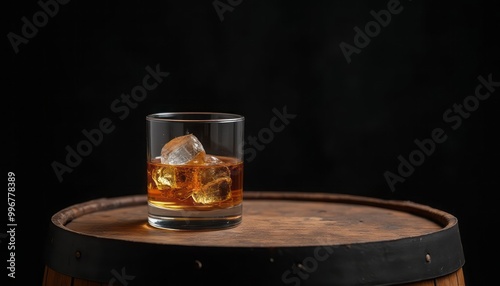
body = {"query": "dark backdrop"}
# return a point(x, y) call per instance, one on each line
point(352, 103)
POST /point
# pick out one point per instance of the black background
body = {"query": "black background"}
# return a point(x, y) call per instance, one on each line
point(352, 120)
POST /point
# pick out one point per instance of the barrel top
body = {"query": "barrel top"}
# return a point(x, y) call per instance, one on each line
point(270, 219)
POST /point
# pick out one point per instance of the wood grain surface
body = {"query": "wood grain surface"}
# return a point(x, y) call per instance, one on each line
point(367, 241)
point(269, 220)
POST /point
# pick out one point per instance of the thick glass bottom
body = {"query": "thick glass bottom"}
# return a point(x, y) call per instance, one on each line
point(194, 220)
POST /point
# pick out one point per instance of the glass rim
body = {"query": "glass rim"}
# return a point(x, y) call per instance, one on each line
point(195, 116)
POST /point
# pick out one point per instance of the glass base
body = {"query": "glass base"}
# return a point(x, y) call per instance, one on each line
point(194, 220)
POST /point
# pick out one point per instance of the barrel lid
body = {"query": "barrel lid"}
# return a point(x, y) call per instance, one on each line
point(285, 238)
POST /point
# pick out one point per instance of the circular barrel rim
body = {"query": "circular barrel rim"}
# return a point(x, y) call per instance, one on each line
point(404, 260)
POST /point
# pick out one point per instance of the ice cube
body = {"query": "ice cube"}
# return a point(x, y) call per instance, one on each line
point(215, 185)
point(208, 174)
point(175, 182)
point(215, 191)
point(182, 150)
point(164, 177)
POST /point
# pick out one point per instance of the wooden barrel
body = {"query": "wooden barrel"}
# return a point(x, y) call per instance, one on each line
point(285, 238)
